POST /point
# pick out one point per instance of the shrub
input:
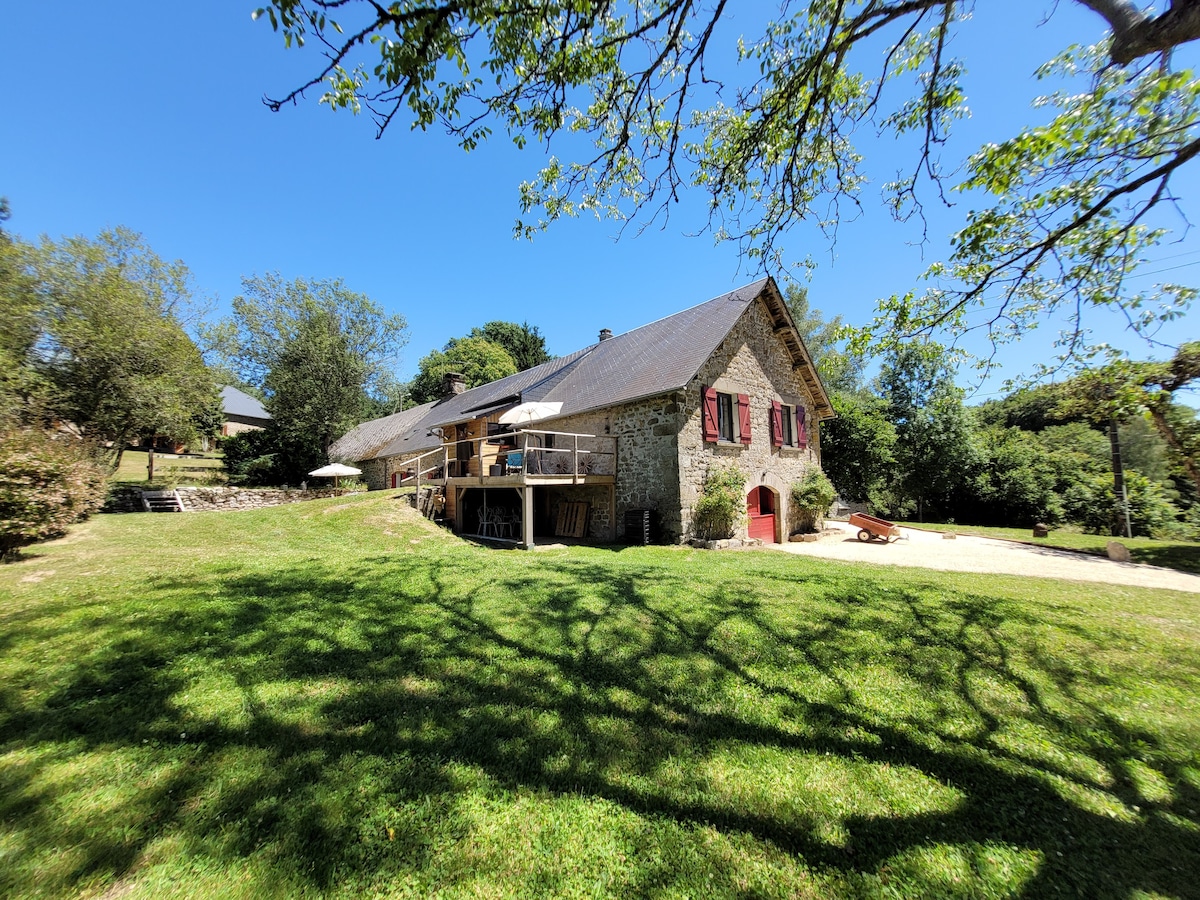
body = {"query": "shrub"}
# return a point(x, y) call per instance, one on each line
point(250, 458)
point(715, 515)
point(811, 498)
point(47, 482)
point(1096, 508)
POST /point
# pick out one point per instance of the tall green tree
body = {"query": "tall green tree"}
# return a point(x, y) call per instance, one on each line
point(109, 347)
point(314, 393)
point(271, 311)
point(477, 359)
point(1114, 394)
point(318, 351)
point(523, 342)
point(840, 370)
point(858, 449)
point(935, 447)
point(19, 326)
point(1064, 206)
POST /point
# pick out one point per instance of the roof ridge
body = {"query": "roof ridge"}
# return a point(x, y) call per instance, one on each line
point(724, 296)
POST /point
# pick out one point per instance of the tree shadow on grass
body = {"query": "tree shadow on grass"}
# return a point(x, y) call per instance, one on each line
point(346, 728)
point(1183, 557)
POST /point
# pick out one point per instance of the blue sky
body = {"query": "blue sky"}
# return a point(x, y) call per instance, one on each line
point(149, 115)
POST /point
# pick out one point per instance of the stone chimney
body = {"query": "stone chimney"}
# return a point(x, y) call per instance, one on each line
point(453, 383)
point(605, 334)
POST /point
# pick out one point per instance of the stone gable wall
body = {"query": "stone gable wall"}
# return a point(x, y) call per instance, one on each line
point(751, 360)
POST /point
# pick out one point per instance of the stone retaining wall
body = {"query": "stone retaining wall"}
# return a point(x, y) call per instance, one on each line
point(197, 499)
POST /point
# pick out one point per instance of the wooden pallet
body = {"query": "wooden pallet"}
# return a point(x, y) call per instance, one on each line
point(572, 519)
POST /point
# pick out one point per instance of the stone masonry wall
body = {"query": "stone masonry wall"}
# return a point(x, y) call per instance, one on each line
point(751, 360)
point(196, 499)
point(647, 462)
point(376, 474)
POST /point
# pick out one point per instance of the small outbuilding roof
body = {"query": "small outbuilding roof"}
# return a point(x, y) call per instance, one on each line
point(239, 403)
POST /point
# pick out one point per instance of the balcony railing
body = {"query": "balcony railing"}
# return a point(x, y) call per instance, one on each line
point(521, 454)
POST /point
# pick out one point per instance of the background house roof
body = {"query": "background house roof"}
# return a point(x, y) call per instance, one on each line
point(238, 403)
point(654, 359)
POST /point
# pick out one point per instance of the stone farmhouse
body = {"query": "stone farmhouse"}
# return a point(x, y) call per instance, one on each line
point(583, 445)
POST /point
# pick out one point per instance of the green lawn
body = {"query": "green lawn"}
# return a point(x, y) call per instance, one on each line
point(1182, 555)
point(168, 466)
point(337, 699)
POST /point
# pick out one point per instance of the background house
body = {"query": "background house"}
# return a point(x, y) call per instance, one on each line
point(640, 420)
point(241, 412)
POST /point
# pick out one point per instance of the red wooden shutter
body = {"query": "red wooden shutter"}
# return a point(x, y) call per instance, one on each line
point(801, 432)
point(708, 413)
point(744, 416)
point(776, 424)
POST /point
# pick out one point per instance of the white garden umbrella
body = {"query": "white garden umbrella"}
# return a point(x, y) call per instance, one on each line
point(335, 471)
point(528, 413)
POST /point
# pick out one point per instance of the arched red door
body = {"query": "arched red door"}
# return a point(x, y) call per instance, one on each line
point(760, 504)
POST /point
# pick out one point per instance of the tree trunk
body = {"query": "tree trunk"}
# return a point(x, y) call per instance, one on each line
point(150, 463)
point(1137, 34)
point(1172, 439)
point(1118, 470)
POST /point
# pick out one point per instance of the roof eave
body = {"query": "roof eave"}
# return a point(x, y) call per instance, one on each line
point(801, 359)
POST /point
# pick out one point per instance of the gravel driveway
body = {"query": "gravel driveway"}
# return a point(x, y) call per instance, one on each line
point(929, 550)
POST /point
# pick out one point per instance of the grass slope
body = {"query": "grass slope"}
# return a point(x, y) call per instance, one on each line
point(168, 466)
point(336, 699)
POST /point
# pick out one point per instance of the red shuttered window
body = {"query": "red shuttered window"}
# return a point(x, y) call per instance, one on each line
point(724, 418)
point(801, 431)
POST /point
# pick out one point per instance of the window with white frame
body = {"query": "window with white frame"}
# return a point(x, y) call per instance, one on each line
point(787, 422)
point(726, 427)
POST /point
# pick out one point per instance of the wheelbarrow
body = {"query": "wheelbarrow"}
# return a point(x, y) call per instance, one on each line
point(872, 528)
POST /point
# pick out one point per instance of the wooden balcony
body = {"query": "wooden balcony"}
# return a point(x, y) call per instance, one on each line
point(514, 460)
point(520, 460)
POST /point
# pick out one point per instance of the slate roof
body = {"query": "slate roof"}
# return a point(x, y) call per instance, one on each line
point(238, 403)
point(654, 359)
point(365, 440)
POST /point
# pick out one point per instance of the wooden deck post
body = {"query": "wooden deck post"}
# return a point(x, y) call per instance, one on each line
point(527, 516)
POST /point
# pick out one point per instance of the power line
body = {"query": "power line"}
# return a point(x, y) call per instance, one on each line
point(1168, 269)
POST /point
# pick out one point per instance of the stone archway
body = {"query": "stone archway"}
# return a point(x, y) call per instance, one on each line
point(762, 507)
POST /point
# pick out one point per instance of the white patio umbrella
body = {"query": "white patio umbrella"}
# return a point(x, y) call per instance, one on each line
point(528, 413)
point(335, 471)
